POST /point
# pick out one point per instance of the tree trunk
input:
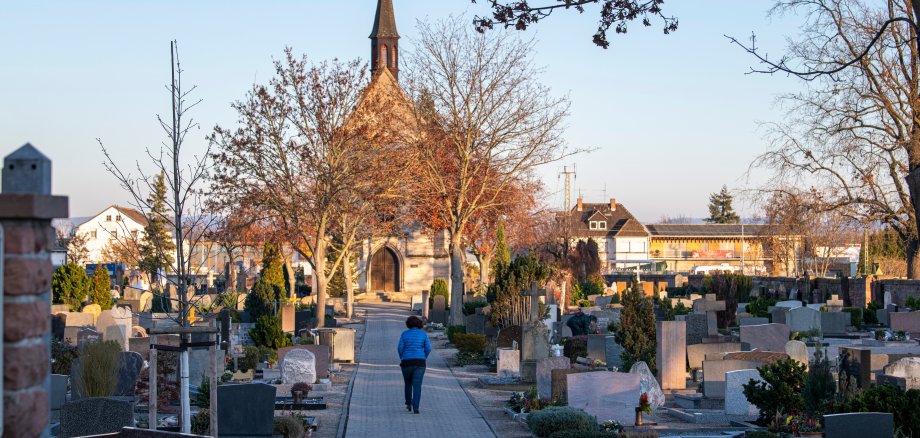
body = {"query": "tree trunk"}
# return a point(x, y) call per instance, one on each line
point(485, 267)
point(349, 284)
point(231, 282)
point(913, 241)
point(456, 278)
point(292, 282)
point(913, 259)
point(319, 273)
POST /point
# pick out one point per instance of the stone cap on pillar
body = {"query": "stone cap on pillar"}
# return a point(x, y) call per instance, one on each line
point(26, 191)
point(27, 170)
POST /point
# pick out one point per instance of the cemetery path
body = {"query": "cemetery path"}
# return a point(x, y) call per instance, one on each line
point(376, 408)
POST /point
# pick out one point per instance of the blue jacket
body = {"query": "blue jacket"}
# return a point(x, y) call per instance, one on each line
point(413, 344)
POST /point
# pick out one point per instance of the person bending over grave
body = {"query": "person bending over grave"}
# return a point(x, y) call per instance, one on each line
point(414, 347)
point(580, 323)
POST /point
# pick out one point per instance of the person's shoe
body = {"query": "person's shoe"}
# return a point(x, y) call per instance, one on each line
point(415, 411)
point(408, 407)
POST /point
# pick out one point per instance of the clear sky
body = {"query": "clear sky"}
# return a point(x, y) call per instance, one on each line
point(672, 118)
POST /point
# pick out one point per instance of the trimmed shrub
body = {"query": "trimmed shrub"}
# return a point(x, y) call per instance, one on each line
point(545, 422)
point(637, 320)
point(452, 330)
point(470, 342)
point(575, 346)
point(439, 287)
point(781, 389)
point(470, 307)
point(303, 387)
point(268, 333)
point(288, 427)
point(856, 316)
point(70, 285)
point(465, 358)
point(888, 398)
point(62, 356)
point(100, 287)
point(869, 316)
point(201, 422)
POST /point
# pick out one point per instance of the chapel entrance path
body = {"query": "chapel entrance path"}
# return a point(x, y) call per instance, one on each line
point(377, 406)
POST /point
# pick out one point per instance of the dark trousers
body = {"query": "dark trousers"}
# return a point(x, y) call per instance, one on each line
point(412, 376)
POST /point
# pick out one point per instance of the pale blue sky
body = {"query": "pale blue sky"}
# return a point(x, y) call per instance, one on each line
point(672, 117)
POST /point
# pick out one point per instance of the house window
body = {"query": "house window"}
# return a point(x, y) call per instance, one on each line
point(602, 225)
point(118, 218)
point(134, 233)
point(92, 234)
point(115, 234)
point(108, 218)
point(593, 225)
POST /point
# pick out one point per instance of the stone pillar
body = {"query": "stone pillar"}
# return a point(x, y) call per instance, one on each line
point(671, 354)
point(26, 210)
point(425, 296)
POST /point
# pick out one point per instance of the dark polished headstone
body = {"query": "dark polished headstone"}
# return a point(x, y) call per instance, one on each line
point(245, 410)
point(95, 416)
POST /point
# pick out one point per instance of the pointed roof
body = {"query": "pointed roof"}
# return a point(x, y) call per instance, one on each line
point(384, 21)
point(27, 152)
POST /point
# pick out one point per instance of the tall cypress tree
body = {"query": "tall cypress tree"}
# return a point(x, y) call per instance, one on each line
point(272, 265)
point(158, 244)
point(502, 252)
point(636, 330)
point(720, 208)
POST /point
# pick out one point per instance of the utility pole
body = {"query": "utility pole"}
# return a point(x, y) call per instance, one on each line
point(568, 185)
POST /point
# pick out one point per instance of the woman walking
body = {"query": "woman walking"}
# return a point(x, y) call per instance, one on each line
point(414, 347)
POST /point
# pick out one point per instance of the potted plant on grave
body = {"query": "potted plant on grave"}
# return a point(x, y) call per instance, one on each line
point(299, 391)
point(644, 407)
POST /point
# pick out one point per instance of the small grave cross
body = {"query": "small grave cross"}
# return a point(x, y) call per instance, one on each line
point(835, 301)
point(709, 305)
point(534, 293)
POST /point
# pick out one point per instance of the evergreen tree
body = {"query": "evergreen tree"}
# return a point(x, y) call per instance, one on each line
point(69, 284)
point(502, 251)
point(273, 265)
point(636, 330)
point(99, 291)
point(720, 208)
point(158, 245)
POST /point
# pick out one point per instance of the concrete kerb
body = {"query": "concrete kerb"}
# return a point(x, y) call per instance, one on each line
point(346, 403)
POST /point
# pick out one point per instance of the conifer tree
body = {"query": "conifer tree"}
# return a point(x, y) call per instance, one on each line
point(720, 208)
point(99, 291)
point(272, 265)
point(70, 286)
point(502, 252)
point(158, 245)
point(636, 330)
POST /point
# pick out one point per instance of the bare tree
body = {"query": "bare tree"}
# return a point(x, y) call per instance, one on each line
point(682, 219)
point(311, 147)
point(613, 13)
point(185, 216)
point(854, 133)
point(488, 122)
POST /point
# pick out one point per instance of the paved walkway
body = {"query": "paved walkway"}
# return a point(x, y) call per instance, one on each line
point(377, 406)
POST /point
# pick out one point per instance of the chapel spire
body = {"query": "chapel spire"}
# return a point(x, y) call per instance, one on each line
point(384, 39)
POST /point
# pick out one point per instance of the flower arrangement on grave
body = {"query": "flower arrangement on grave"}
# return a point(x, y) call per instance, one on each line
point(300, 390)
point(612, 426)
point(644, 406)
point(524, 402)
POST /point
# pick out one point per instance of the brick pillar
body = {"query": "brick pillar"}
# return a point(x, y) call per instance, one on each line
point(26, 210)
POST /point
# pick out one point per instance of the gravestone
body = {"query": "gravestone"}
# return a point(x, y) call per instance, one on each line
point(603, 301)
point(560, 383)
point(535, 337)
point(508, 362)
point(803, 319)
point(697, 327)
point(597, 347)
point(245, 410)
point(564, 330)
point(298, 366)
point(58, 391)
point(95, 416)
point(779, 315)
point(604, 394)
point(87, 336)
point(834, 323)
point(79, 319)
point(648, 384)
point(439, 310)
point(545, 369)
point(905, 322)
point(321, 354)
point(93, 309)
point(58, 324)
point(791, 304)
point(714, 371)
point(696, 354)
point(509, 336)
point(753, 320)
point(736, 403)
point(59, 308)
point(859, 425)
point(797, 351)
point(671, 353)
point(857, 362)
point(766, 337)
point(835, 304)
point(115, 325)
point(287, 318)
point(604, 318)
point(140, 346)
point(764, 357)
point(129, 368)
point(908, 369)
point(613, 353)
point(709, 306)
point(70, 335)
point(475, 323)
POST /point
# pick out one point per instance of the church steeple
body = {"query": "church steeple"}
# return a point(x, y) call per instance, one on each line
point(384, 39)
